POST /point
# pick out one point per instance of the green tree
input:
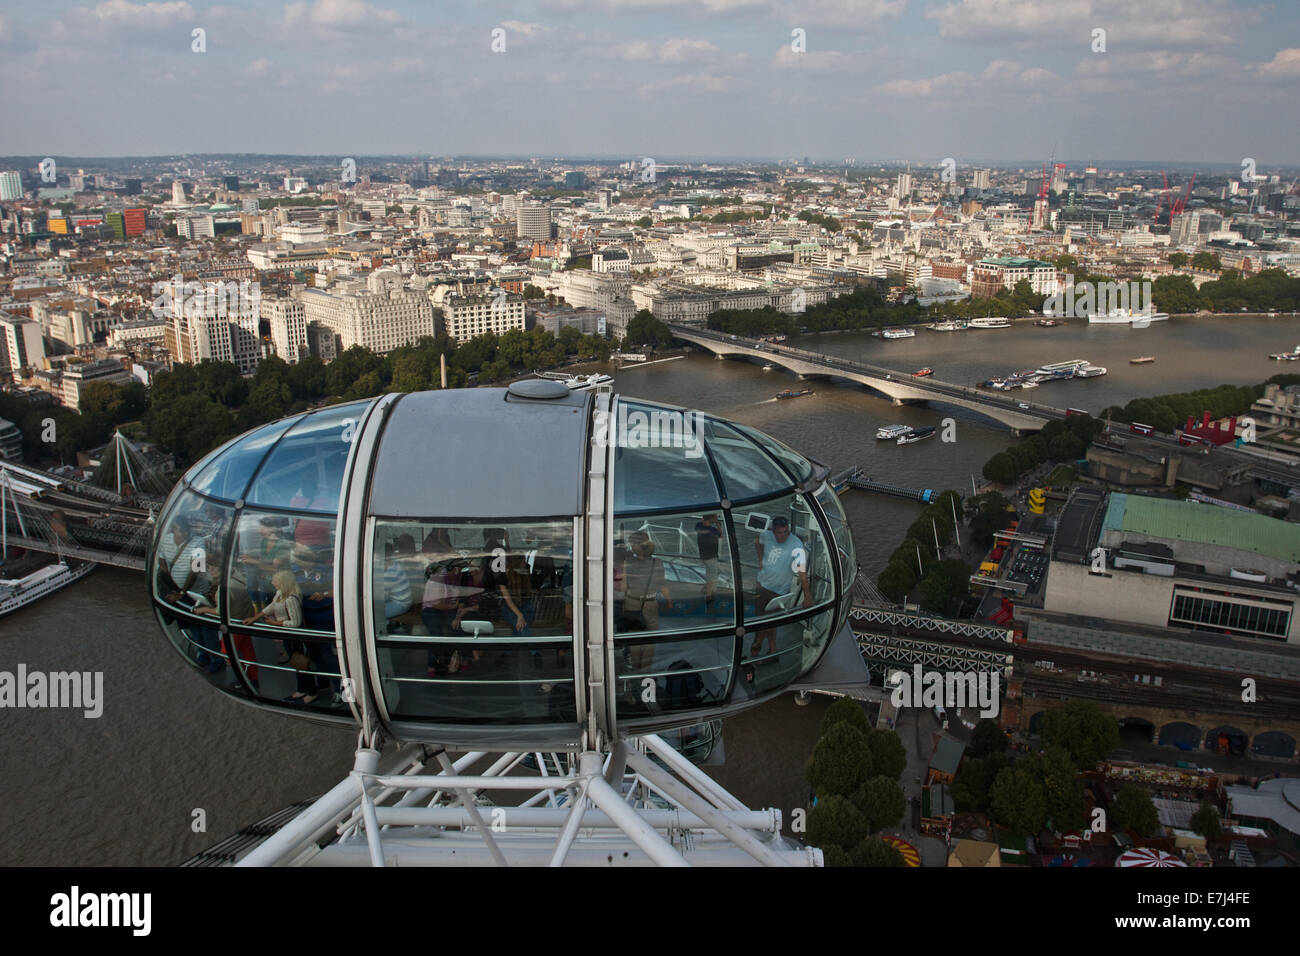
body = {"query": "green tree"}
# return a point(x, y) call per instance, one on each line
point(1207, 823)
point(888, 757)
point(840, 761)
point(875, 852)
point(987, 738)
point(645, 222)
point(1002, 468)
point(1178, 259)
point(845, 710)
point(974, 780)
point(645, 329)
point(1133, 810)
point(1207, 261)
point(945, 585)
point(1016, 800)
point(835, 821)
point(897, 580)
point(1083, 730)
point(881, 801)
point(1062, 789)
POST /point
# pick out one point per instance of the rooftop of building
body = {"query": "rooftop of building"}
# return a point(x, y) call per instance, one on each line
point(1015, 262)
point(1198, 523)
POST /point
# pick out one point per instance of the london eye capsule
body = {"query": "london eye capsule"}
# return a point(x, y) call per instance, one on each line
point(530, 566)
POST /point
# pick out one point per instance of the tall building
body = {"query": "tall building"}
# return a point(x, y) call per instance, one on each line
point(231, 183)
point(1090, 179)
point(904, 191)
point(23, 346)
point(380, 315)
point(132, 187)
point(981, 180)
point(575, 179)
point(1058, 178)
point(135, 221)
point(11, 185)
point(288, 321)
point(533, 221)
point(230, 338)
point(178, 192)
point(196, 227)
point(467, 316)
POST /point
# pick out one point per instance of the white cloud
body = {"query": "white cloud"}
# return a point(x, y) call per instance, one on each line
point(1284, 66)
point(337, 14)
point(1160, 23)
point(673, 50)
point(696, 82)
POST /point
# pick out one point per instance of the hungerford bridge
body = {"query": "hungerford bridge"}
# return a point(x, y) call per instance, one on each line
point(902, 387)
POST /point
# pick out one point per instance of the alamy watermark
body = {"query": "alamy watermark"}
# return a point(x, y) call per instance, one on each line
point(948, 689)
point(206, 299)
point(78, 690)
point(1082, 299)
point(657, 429)
point(77, 909)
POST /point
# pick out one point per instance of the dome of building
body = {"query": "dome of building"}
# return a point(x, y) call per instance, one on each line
point(480, 566)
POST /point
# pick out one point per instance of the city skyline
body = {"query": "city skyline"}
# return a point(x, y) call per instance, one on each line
point(1207, 81)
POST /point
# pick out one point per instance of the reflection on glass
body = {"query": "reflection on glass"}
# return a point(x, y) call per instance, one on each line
point(746, 471)
point(656, 675)
point(795, 463)
point(786, 651)
point(475, 621)
point(186, 560)
point(228, 475)
point(305, 470)
point(848, 558)
point(784, 558)
point(672, 573)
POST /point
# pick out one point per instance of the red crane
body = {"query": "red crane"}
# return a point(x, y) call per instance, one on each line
point(1182, 203)
point(1160, 199)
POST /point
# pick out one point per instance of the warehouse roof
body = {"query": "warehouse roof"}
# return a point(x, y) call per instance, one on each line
point(1203, 524)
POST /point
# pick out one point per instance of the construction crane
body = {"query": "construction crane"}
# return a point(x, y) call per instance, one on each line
point(1181, 204)
point(1160, 199)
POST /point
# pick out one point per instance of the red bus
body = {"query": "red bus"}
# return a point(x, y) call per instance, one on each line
point(1140, 428)
point(1186, 439)
point(1075, 411)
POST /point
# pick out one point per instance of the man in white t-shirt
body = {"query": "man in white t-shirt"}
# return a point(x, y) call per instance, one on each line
point(781, 559)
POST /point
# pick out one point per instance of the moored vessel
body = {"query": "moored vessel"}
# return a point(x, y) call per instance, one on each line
point(916, 434)
point(891, 432)
point(991, 322)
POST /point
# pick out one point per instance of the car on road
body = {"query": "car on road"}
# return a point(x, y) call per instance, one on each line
point(1022, 404)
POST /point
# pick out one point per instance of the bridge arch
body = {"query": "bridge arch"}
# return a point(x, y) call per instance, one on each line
point(1226, 739)
point(896, 385)
point(1180, 734)
point(1273, 743)
point(1137, 727)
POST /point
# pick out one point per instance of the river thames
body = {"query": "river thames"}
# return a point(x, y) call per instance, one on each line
point(123, 789)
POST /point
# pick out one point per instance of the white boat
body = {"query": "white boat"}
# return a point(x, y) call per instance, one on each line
point(1137, 320)
point(991, 322)
point(1030, 384)
point(891, 432)
point(1071, 366)
point(768, 367)
point(19, 592)
point(951, 326)
point(916, 434)
point(898, 334)
point(1090, 371)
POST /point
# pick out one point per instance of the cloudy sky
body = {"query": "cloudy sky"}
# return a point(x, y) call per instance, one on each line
point(1179, 80)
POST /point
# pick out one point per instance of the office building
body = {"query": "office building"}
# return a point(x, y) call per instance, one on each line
point(11, 185)
point(11, 441)
point(467, 316)
point(231, 183)
point(76, 376)
point(379, 314)
point(904, 188)
point(1176, 564)
point(533, 221)
point(23, 346)
point(196, 227)
point(288, 321)
point(178, 192)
